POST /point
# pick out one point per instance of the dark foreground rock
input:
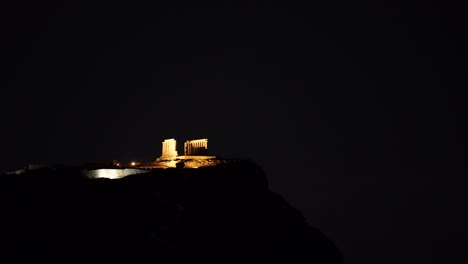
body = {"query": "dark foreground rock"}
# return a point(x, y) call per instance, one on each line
point(223, 214)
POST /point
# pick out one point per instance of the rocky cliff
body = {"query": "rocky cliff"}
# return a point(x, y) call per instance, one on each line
point(221, 214)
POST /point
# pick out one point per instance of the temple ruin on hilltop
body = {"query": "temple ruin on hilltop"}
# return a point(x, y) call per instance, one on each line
point(195, 156)
point(193, 149)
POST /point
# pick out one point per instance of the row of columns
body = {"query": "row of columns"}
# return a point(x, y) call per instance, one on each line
point(169, 148)
point(196, 147)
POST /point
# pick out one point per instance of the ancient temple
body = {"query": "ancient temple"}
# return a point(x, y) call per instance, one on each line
point(197, 147)
point(169, 148)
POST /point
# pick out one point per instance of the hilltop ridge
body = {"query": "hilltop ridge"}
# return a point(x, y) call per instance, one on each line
point(222, 214)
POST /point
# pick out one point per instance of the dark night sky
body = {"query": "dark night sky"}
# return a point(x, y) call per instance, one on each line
point(351, 107)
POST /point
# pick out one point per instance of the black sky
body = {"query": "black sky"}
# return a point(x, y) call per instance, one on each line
point(353, 108)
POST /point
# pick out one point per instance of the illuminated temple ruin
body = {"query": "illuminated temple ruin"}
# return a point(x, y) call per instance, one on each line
point(169, 149)
point(193, 149)
point(197, 147)
point(195, 156)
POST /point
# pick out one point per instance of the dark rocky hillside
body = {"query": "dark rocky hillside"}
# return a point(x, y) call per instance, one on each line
point(222, 214)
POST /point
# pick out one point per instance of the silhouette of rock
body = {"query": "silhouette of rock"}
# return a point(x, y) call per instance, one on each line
point(221, 214)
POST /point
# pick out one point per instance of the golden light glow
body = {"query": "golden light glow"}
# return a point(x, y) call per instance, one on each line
point(113, 173)
point(133, 163)
point(109, 174)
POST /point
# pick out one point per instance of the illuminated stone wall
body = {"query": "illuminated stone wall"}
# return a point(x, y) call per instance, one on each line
point(197, 147)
